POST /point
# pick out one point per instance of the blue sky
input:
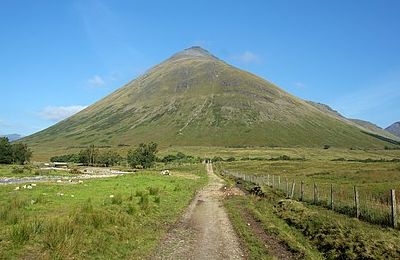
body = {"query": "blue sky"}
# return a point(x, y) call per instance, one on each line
point(57, 57)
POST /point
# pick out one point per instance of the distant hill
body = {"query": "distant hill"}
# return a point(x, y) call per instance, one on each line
point(394, 129)
point(362, 124)
point(12, 137)
point(196, 99)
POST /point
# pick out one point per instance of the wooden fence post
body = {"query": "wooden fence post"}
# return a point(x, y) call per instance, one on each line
point(279, 182)
point(356, 202)
point(273, 181)
point(332, 207)
point(302, 191)
point(315, 193)
point(393, 208)
point(287, 188)
point(268, 180)
point(292, 192)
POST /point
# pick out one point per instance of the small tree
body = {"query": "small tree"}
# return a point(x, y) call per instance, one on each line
point(109, 158)
point(21, 153)
point(144, 155)
point(89, 155)
point(6, 155)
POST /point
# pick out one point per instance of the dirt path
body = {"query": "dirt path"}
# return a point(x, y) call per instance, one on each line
point(204, 232)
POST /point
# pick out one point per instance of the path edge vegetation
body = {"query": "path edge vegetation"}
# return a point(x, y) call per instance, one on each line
point(334, 235)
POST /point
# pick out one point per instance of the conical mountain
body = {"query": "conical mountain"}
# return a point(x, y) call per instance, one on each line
point(194, 98)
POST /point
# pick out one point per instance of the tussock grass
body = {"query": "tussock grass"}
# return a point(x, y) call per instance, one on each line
point(91, 223)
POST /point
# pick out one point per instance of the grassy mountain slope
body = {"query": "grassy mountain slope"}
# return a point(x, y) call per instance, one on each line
point(362, 124)
point(394, 129)
point(193, 98)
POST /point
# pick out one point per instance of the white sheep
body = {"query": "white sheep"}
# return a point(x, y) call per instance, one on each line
point(165, 172)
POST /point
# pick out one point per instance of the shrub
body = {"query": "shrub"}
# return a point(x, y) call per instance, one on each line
point(144, 155)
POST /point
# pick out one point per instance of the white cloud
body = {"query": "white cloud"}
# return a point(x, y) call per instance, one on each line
point(299, 85)
point(55, 113)
point(97, 81)
point(247, 57)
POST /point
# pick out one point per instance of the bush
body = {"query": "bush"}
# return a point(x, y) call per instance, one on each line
point(17, 152)
point(217, 159)
point(231, 159)
point(180, 158)
point(144, 155)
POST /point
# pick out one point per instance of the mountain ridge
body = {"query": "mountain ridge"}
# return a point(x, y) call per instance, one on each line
point(362, 124)
point(394, 128)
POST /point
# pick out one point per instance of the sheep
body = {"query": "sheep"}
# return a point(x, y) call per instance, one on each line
point(165, 172)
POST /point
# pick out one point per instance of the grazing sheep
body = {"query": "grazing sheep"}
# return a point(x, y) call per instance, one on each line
point(165, 172)
point(33, 184)
point(16, 188)
point(24, 186)
point(29, 187)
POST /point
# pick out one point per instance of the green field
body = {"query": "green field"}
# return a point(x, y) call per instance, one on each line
point(374, 173)
point(120, 217)
point(19, 171)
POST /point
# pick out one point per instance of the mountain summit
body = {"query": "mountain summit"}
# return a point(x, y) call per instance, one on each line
point(194, 98)
point(194, 52)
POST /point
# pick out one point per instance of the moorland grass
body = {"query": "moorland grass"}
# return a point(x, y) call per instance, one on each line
point(122, 217)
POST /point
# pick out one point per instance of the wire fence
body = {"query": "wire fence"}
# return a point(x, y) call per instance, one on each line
point(362, 202)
